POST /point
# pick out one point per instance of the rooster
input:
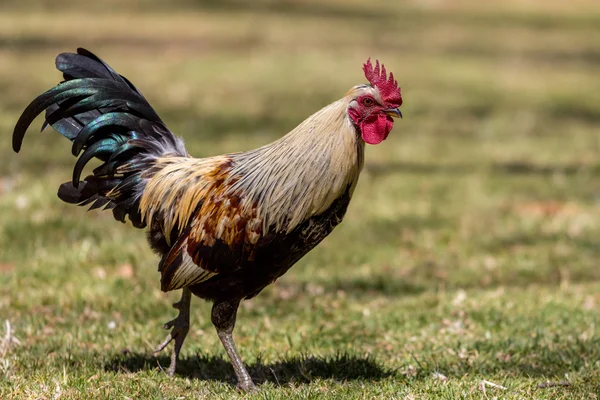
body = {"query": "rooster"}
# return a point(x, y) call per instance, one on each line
point(227, 226)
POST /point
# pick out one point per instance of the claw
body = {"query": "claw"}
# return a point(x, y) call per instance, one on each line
point(177, 305)
point(170, 324)
point(164, 344)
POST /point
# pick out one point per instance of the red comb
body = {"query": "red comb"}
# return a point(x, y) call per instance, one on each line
point(388, 88)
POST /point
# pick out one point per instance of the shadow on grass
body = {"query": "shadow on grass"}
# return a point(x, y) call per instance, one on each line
point(379, 285)
point(537, 362)
point(248, 43)
point(507, 168)
point(304, 369)
point(37, 43)
point(296, 9)
point(584, 245)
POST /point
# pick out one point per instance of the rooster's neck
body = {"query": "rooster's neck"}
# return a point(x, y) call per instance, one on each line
point(304, 172)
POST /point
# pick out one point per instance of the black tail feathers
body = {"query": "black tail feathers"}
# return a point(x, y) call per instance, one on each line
point(104, 115)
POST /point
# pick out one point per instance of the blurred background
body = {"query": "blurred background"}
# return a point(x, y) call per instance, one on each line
point(490, 183)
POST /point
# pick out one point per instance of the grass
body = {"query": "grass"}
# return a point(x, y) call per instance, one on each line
point(467, 266)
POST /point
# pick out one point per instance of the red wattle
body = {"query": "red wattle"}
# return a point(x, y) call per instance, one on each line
point(376, 128)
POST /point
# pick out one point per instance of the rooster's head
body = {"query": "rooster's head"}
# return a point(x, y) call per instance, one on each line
point(372, 106)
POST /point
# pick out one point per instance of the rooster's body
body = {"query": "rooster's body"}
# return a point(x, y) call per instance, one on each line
point(225, 226)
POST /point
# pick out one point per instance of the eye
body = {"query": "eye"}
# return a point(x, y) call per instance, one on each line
point(368, 102)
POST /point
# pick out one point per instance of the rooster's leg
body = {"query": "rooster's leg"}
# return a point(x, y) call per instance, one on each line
point(180, 327)
point(223, 318)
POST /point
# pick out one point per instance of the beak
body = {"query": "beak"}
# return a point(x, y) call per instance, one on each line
point(393, 112)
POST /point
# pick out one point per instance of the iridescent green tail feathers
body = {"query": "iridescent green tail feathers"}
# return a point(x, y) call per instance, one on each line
point(107, 118)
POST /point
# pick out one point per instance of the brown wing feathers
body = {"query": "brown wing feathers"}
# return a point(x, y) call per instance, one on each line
point(217, 229)
point(178, 269)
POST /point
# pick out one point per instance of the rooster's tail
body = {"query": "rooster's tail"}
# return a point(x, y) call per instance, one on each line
point(104, 115)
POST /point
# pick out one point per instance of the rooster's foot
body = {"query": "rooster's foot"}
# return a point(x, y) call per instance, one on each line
point(180, 327)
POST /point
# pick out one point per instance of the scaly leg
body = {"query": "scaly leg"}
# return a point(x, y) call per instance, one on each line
point(223, 318)
point(180, 327)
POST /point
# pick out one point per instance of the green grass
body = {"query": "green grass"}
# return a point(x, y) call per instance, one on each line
point(469, 254)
